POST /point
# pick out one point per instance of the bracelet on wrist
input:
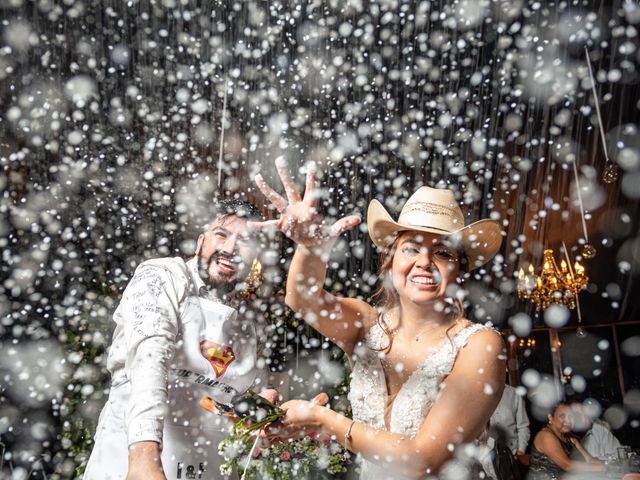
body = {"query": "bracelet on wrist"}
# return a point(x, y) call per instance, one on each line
point(347, 435)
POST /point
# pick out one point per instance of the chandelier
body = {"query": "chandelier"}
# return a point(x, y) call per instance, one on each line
point(553, 285)
point(253, 280)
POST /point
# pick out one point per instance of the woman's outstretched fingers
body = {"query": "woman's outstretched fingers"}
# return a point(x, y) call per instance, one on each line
point(310, 195)
point(274, 197)
point(344, 224)
point(287, 181)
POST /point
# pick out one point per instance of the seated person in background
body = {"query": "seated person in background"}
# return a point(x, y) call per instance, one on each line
point(596, 436)
point(554, 445)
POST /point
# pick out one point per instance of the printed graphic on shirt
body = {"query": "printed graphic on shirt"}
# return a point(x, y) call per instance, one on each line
point(219, 356)
point(190, 471)
point(194, 377)
point(144, 292)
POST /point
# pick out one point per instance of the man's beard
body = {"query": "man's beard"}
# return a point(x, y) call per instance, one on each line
point(221, 287)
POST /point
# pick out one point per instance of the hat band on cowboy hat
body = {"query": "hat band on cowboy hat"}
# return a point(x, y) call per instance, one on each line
point(436, 211)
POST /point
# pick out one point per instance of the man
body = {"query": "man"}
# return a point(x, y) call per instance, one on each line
point(599, 441)
point(509, 432)
point(510, 420)
point(182, 332)
point(597, 438)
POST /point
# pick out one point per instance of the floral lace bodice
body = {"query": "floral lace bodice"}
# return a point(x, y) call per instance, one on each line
point(368, 390)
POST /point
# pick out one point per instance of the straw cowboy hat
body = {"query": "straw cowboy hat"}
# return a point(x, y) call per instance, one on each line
point(436, 211)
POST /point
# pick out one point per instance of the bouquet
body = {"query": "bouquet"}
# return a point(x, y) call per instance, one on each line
point(311, 457)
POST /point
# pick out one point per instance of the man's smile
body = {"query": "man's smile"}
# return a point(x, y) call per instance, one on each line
point(225, 265)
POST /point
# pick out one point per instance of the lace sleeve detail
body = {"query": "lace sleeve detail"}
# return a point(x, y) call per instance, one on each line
point(367, 392)
point(462, 338)
point(376, 339)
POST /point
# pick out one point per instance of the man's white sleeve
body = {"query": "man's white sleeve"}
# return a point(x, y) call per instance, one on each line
point(150, 308)
point(522, 424)
point(603, 442)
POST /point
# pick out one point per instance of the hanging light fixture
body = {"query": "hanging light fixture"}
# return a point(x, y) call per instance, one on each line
point(553, 285)
point(253, 280)
point(610, 173)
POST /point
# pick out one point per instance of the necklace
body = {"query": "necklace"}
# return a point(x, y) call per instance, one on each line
point(431, 327)
point(392, 331)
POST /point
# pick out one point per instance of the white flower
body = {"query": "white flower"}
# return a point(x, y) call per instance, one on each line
point(323, 461)
point(230, 450)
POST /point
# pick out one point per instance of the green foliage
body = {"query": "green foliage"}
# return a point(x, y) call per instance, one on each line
point(83, 395)
point(312, 457)
point(307, 458)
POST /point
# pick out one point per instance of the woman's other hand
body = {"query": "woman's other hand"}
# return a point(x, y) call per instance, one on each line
point(302, 417)
point(300, 414)
point(299, 219)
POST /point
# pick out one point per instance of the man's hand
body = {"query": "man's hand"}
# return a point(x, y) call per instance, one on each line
point(210, 404)
point(144, 462)
point(270, 394)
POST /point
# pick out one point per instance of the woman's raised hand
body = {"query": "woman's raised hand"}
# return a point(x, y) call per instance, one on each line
point(299, 219)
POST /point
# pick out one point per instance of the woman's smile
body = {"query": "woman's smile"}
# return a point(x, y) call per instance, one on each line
point(424, 280)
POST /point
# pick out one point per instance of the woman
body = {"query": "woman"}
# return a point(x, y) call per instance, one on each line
point(554, 446)
point(415, 392)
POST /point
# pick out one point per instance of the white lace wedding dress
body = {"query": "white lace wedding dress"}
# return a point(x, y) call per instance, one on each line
point(368, 392)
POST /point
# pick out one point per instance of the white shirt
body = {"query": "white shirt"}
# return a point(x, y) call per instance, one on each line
point(511, 417)
point(144, 343)
point(599, 441)
point(173, 344)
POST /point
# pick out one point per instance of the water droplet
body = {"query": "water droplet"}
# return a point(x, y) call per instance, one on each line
point(578, 383)
point(556, 316)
